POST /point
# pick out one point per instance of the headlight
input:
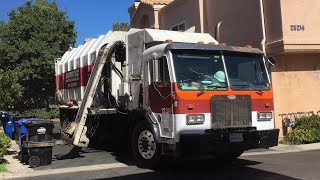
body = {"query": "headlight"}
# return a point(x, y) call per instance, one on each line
point(265, 115)
point(193, 119)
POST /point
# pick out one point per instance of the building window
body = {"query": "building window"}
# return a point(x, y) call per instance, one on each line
point(181, 26)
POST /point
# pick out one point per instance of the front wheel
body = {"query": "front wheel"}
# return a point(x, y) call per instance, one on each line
point(145, 150)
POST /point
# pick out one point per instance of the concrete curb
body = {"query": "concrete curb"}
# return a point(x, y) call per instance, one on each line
point(281, 148)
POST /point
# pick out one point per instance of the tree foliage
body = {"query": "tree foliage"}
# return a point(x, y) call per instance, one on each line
point(120, 26)
point(36, 33)
point(10, 90)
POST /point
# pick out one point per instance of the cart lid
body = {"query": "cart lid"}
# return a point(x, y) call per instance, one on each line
point(37, 122)
point(3, 113)
point(21, 121)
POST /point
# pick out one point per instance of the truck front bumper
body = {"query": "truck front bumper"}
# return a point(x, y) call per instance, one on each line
point(227, 140)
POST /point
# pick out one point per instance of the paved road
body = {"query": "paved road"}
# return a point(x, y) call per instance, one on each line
point(104, 165)
point(114, 163)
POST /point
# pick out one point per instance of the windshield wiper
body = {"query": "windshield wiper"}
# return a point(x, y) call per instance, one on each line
point(202, 91)
point(247, 86)
point(241, 85)
point(216, 86)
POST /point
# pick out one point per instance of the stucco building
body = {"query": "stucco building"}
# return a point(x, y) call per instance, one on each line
point(286, 29)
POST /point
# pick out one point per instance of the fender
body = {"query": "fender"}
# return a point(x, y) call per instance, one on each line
point(144, 115)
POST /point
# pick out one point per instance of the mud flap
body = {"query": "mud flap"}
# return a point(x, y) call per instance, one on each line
point(268, 138)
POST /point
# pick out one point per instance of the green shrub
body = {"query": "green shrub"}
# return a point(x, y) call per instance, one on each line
point(309, 122)
point(5, 142)
point(3, 167)
point(42, 113)
point(307, 131)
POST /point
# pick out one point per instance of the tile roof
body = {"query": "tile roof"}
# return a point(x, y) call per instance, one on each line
point(152, 2)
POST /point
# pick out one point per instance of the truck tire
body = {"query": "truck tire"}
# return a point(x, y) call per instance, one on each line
point(145, 150)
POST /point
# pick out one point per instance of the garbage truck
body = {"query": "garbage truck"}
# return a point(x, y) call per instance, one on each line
point(179, 94)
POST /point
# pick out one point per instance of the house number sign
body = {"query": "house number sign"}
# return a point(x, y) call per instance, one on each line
point(297, 27)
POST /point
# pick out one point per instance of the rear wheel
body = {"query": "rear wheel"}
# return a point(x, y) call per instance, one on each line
point(145, 150)
point(34, 161)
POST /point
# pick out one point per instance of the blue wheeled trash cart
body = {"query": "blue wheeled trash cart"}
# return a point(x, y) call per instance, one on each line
point(7, 123)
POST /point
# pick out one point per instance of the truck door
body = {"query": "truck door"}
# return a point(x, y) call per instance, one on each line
point(159, 94)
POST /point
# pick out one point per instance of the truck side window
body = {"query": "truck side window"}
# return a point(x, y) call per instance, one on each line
point(151, 75)
point(163, 71)
point(159, 70)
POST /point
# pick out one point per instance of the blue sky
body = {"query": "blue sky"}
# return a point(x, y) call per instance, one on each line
point(92, 17)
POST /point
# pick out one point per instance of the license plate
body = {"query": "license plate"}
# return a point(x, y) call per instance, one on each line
point(236, 137)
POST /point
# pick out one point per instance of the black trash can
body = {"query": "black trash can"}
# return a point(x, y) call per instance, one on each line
point(37, 148)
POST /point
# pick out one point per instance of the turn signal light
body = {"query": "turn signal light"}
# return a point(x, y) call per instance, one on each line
point(223, 44)
point(190, 106)
point(169, 41)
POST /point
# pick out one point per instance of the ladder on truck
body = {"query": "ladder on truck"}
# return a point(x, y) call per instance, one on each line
point(77, 130)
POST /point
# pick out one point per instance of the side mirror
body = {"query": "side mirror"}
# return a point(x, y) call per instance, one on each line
point(271, 61)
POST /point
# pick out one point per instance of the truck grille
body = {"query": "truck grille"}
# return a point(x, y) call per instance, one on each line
point(231, 111)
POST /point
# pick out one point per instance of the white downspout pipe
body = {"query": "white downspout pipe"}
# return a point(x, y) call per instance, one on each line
point(264, 39)
point(201, 9)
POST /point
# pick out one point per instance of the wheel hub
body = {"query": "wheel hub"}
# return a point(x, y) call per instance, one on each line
point(146, 144)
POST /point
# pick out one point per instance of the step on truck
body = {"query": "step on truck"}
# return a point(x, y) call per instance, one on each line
point(179, 94)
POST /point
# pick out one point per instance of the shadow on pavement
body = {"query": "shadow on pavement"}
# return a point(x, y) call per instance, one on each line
point(74, 153)
point(201, 169)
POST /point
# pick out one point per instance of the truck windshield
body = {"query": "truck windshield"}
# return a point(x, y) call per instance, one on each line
point(199, 70)
point(246, 71)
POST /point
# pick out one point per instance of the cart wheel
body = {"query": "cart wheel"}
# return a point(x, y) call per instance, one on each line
point(34, 161)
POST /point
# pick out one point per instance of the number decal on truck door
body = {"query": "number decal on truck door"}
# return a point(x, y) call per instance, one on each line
point(166, 110)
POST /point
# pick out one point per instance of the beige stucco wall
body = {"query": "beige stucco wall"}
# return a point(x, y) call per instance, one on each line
point(294, 84)
point(241, 21)
point(282, 16)
point(178, 11)
point(144, 17)
point(301, 12)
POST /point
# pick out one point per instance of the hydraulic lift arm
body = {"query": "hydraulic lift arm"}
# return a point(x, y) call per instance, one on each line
point(77, 129)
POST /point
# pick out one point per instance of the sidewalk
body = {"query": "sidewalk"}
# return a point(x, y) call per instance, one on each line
point(282, 148)
point(14, 166)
